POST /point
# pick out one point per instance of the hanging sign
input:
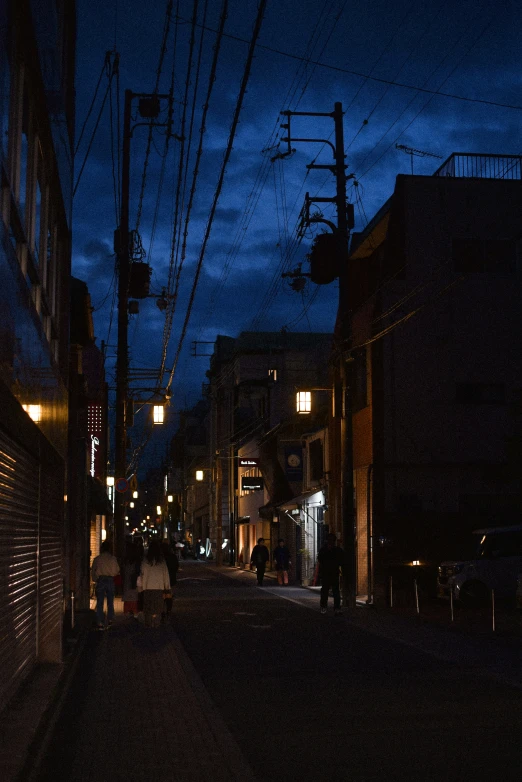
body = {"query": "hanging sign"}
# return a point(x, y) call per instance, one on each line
point(251, 483)
point(248, 461)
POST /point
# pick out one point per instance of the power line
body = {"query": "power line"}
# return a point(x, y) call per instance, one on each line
point(369, 77)
point(228, 152)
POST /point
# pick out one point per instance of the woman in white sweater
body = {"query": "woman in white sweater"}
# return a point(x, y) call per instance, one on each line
point(155, 581)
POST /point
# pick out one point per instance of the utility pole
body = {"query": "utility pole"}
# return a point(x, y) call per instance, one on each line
point(344, 359)
point(149, 109)
point(122, 357)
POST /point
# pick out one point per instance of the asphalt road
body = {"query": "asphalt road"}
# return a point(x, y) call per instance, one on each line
point(287, 694)
point(310, 697)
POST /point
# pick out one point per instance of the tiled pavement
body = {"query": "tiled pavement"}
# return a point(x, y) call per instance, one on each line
point(145, 716)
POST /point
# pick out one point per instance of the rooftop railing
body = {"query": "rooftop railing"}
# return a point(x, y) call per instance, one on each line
point(477, 166)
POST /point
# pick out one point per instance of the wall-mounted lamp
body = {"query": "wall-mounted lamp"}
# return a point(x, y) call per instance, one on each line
point(170, 498)
point(135, 495)
point(304, 402)
point(110, 480)
point(34, 412)
point(131, 505)
point(158, 414)
point(199, 475)
point(158, 510)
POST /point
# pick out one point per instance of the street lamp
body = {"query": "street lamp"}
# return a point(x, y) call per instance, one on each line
point(304, 402)
point(158, 414)
point(134, 495)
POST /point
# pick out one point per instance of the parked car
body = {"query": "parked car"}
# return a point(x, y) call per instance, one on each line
point(495, 563)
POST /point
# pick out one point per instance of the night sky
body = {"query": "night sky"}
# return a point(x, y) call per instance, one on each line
point(309, 55)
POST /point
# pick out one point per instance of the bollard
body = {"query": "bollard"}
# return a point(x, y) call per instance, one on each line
point(451, 605)
point(493, 609)
point(416, 596)
point(391, 591)
point(72, 609)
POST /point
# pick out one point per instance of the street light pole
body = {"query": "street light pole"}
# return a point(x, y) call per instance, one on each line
point(343, 334)
point(122, 358)
point(347, 490)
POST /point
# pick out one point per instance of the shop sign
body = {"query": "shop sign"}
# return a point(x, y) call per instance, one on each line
point(248, 461)
point(95, 430)
point(251, 483)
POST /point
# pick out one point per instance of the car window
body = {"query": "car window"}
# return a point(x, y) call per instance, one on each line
point(504, 544)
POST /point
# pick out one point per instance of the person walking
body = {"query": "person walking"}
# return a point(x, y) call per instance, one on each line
point(259, 558)
point(172, 562)
point(331, 557)
point(198, 549)
point(282, 559)
point(131, 571)
point(155, 582)
point(104, 568)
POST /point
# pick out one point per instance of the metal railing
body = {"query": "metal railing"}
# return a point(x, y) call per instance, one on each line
point(477, 166)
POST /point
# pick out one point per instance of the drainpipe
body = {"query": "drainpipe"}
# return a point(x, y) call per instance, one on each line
point(369, 532)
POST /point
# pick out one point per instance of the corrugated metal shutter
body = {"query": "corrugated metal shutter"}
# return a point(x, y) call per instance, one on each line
point(18, 564)
point(51, 562)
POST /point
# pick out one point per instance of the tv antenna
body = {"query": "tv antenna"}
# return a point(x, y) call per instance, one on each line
point(415, 153)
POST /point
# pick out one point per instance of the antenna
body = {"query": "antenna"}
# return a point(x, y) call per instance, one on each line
point(415, 153)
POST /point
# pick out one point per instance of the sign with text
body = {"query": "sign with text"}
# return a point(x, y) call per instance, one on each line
point(95, 428)
point(248, 461)
point(251, 483)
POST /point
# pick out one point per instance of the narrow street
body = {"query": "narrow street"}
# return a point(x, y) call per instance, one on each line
point(249, 683)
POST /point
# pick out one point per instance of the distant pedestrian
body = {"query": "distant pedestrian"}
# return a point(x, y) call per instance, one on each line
point(131, 571)
point(155, 582)
point(259, 558)
point(199, 549)
point(172, 562)
point(331, 559)
point(104, 568)
point(283, 562)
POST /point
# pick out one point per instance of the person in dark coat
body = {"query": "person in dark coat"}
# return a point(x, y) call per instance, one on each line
point(259, 558)
point(282, 559)
point(331, 558)
point(172, 562)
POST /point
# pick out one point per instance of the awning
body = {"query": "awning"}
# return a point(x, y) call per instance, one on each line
point(303, 499)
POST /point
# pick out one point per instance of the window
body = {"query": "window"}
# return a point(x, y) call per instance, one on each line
point(484, 255)
point(481, 393)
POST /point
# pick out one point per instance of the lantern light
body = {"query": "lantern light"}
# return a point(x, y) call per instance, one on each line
point(158, 413)
point(199, 475)
point(304, 402)
point(158, 510)
point(131, 505)
point(135, 495)
point(34, 412)
point(170, 498)
point(110, 480)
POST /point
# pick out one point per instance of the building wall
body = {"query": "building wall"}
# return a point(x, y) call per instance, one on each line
point(437, 454)
point(36, 130)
